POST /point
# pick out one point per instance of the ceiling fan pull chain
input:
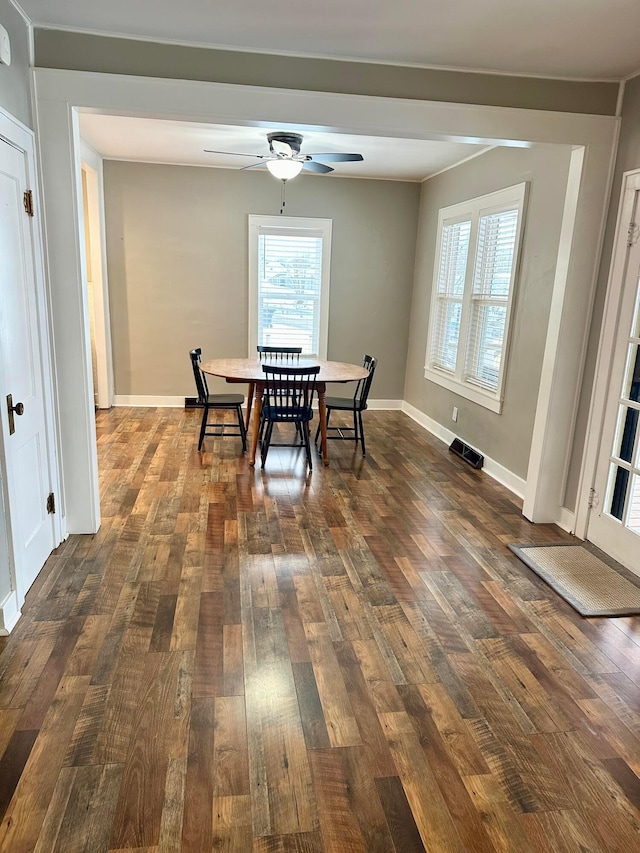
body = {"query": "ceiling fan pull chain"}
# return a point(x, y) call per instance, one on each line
point(283, 197)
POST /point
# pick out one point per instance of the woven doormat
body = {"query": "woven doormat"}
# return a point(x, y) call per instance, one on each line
point(590, 585)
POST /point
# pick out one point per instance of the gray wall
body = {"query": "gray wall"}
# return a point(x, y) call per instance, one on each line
point(628, 158)
point(15, 95)
point(88, 52)
point(177, 263)
point(505, 437)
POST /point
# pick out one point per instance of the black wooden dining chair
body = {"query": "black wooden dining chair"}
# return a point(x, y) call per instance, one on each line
point(287, 353)
point(216, 402)
point(288, 398)
point(356, 404)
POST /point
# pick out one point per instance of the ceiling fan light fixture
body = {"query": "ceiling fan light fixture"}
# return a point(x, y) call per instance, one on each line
point(284, 169)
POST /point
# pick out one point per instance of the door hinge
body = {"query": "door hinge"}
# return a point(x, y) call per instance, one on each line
point(633, 232)
point(28, 202)
point(51, 503)
point(594, 499)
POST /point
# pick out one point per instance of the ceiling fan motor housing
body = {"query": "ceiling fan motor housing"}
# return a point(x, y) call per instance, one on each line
point(293, 140)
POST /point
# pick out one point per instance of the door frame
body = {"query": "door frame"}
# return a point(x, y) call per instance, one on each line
point(606, 347)
point(22, 138)
point(91, 165)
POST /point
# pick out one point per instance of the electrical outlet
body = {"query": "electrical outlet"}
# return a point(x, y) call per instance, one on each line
point(454, 416)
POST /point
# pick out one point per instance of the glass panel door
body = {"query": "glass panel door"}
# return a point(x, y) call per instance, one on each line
point(614, 524)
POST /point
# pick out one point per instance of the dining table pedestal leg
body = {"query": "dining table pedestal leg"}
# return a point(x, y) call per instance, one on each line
point(247, 418)
point(256, 422)
point(322, 415)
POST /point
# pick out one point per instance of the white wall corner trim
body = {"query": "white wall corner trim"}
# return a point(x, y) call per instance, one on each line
point(567, 520)
point(567, 336)
point(494, 469)
point(9, 613)
point(148, 401)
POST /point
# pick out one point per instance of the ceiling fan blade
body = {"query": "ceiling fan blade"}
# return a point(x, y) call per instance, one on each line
point(310, 166)
point(236, 154)
point(337, 157)
point(254, 165)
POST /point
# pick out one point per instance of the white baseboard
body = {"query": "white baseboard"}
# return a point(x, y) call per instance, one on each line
point(494, 469)
point(428, 423)
point(503, 475)
point(385, 405)
point(567, 520)
point(148, 401)
point(9, 614)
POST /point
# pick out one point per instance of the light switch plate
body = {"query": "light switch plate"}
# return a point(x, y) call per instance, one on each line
point(5, 47)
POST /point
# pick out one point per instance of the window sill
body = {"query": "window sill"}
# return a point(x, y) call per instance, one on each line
point(469, 392)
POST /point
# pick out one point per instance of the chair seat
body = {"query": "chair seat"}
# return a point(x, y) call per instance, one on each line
point(225, 400)
point(345, 403)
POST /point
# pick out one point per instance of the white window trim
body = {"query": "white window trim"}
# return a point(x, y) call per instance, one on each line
point(473, 209)
point(289, 224)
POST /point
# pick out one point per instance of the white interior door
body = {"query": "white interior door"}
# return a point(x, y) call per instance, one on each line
point(614, 522)
point(24, 445)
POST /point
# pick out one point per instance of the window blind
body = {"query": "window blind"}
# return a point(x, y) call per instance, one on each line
point(289, 288)
point(493, 274)
point(454, 251)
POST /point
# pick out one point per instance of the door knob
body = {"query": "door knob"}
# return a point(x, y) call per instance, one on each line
point(18, 409)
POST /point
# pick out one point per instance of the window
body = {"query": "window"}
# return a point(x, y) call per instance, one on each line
point(473, 283)
point(289, 260)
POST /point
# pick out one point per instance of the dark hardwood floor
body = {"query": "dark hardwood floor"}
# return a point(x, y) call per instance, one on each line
point(245, 660)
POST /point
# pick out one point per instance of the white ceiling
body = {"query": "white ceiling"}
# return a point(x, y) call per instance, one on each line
point(160, 141)
point(597, 39)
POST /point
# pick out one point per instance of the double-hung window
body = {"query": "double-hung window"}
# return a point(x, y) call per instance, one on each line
point(289, 265)
point(477, 251)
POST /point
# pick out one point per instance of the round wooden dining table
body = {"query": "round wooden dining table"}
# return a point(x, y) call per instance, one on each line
point(249, 370)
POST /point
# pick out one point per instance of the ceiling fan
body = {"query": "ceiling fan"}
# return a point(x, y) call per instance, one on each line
point(285, 160)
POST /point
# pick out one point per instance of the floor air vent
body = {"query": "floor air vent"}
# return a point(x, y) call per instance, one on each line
point(473, 457)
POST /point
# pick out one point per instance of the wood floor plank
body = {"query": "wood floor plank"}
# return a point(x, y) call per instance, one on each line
point(230, 756)
point(549, 832)
point(139, 813)
point(25, 814)
point(340, 827)
point(90, 807)
point(311, 715)
point(15, 756)
point(232, 832)
point(292, 802)
point(400, 820)
point(198, 797)
point(173, 806)
point(432, 816)
point(376, 750)
point(342, 727)
point(500, 821)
